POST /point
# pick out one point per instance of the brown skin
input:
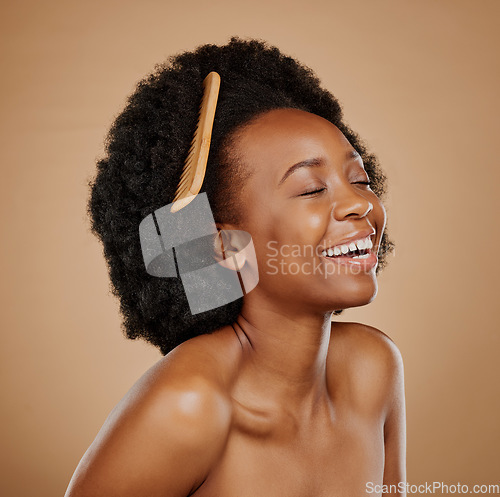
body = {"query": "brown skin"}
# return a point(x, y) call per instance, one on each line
point(284, 401)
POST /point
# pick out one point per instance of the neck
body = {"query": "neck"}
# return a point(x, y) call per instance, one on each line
point(284, 354)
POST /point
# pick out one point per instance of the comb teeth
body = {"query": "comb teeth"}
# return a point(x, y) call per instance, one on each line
point(195, 164)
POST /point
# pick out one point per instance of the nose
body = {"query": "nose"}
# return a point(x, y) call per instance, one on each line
point(350, 202)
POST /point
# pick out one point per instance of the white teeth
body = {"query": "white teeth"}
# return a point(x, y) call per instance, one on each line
point(363, 244)
point(365, 256)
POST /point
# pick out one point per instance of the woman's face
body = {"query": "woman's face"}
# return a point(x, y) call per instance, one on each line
point(291, 153)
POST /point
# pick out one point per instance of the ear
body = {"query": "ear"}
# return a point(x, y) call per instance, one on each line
point(228, 248)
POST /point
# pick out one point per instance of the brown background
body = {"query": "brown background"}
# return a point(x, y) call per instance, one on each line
point(418, 80)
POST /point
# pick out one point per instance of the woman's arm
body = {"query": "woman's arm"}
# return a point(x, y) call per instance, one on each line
point(161, 439)
point(395, 428)
point(377, 365)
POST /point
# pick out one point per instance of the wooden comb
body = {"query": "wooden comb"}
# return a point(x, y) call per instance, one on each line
point(195, 164)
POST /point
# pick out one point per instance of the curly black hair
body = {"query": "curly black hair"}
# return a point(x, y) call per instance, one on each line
point(145, 150)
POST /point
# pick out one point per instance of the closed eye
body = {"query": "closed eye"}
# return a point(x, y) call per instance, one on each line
point(311, 192)
point(362, 183)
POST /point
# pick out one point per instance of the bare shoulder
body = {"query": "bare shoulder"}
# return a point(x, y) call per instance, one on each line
point(166, 433)
point(366, 340)
point(372, 361)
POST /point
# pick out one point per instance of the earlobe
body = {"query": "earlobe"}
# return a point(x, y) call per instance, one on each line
point(229, 249)
point(234, 261)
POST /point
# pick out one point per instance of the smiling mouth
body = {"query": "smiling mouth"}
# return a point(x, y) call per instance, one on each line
point(357, 249)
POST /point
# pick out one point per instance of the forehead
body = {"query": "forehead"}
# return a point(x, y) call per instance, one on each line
point(286, 136)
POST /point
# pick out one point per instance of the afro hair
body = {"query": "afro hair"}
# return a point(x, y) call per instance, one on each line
point(145, 150)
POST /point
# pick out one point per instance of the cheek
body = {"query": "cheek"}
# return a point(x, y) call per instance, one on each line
point(379, 214)
point(300, 227)
point(314, 221)
point(282, 226)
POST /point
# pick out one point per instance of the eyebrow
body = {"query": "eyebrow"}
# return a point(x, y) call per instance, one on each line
point(315, 162)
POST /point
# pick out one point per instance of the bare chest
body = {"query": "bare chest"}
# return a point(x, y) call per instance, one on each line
point(337, 460)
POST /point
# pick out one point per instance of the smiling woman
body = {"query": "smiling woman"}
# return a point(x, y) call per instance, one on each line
point(266, 395)
point(323, 201)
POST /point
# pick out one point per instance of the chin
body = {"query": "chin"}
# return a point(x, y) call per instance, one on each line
point(368, 298)
point(356, 297)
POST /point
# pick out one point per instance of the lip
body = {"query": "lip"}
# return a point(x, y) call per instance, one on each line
point(366, 264)
point(355, 236)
